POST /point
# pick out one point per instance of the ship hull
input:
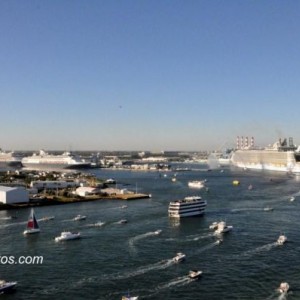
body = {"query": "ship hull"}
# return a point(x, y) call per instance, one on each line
point(55, 166)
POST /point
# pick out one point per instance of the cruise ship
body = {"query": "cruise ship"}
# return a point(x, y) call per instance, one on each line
point(281, 156)
point(62, 161)
point(187, 207)
point(9, 158)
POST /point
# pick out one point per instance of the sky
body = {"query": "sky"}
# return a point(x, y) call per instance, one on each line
point(148, 75)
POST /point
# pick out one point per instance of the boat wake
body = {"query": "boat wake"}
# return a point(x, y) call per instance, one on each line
point(207, 247)
point(144, 269)
point(135, 239)
point(257, 250)
point(97, 224)
point(13, 224)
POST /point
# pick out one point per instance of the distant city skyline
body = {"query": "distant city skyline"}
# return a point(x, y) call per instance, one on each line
point(143, 75)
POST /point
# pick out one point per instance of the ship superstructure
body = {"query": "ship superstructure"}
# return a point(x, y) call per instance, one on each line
point(282, 156)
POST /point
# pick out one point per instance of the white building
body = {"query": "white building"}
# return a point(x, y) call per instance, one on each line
point(11, 195)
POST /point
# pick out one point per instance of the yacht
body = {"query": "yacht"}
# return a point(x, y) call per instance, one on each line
point(6, 286)
point(67, 235)
point(194, 274)
point(46, 160)
point(187, 207)
point(222, 228)
point(179, 257)
point(281, 240)
point(199, 184)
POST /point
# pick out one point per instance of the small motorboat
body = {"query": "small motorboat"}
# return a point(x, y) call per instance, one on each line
point(194, 274)
point(79, 218)
point(123, 221)
point(222, 228)
point(268, 208)
point(284, 287)
point(67, 235)
point(199, 184)
point(158, 231)
point(179, 257)
point(281, 240)
point(6, 286)
point(292, 199)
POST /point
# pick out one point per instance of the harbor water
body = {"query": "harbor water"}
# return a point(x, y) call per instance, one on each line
point(112, 259)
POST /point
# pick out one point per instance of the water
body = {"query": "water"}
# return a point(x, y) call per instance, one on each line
point(114, 258)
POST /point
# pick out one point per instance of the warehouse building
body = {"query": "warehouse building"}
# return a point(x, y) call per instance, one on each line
point(11, 195)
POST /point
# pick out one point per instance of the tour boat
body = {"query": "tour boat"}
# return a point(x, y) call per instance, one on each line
point(67, 235)
point(179, 257)
point(6, 286)
point(32, 224)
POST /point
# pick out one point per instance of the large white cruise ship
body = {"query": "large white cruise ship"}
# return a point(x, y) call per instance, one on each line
point(187, 207)
point(9, 158)
point(45, 160)
point(281, 156)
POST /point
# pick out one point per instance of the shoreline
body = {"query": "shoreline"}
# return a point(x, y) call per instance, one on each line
point(56, 200)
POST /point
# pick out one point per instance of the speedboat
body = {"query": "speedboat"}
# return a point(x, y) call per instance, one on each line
point(284, 287)
point(67, 235)
point(194, 274)
point(222, 228)
point(79, 218)
point(158, 231)
point(179, 257)
point(123, 221)
point(281, 240)
point(6, 286)
point(268, 208)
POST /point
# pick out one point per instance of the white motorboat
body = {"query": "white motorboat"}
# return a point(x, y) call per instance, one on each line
point(67, 235)
point(219, 241)
point(6, 286)
point(179, 257)
point(268, 208)
point(292, 199)
point(194, 274)
point(79, 218)
point(32, 224)
point(281, 240)
point(123, 221)
point(284, 287)
point(199, 184)
point(222, 228)
point(158, 231)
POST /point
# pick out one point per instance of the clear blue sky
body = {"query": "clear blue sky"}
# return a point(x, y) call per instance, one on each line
point(148, 75)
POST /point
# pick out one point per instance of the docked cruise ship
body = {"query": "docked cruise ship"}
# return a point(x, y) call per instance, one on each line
point(281, 156)
point(62, 161)
point(9, 158)
point(187, 207)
